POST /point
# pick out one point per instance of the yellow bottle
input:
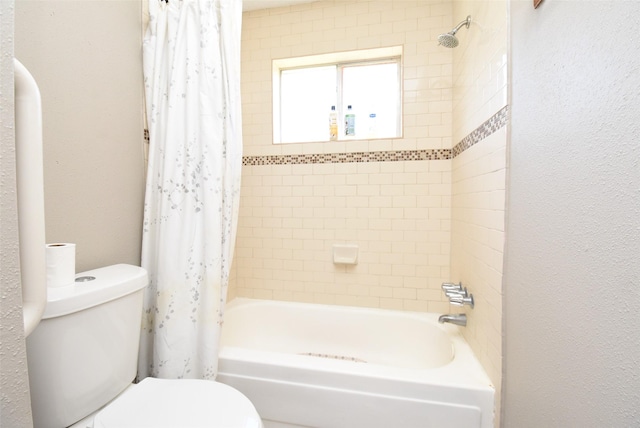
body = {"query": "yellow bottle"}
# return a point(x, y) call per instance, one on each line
point(333, 124)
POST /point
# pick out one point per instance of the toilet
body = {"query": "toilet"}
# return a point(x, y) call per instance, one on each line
point(82, 360)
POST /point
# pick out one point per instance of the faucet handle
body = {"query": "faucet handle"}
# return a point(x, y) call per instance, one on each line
point(450, 286)
point(457, 293)
point(462, 300)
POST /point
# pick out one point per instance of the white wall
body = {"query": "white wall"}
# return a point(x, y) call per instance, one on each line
point(572, 273)
point(15, 404)
point(86, 57)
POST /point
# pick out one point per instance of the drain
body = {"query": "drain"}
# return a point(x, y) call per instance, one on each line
point(333, 357)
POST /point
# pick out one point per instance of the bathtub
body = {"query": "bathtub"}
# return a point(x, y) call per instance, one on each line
point(315, 365)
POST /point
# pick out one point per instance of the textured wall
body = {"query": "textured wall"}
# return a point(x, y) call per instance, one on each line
point(572, 273)
point(86, 57)
point(15, 404)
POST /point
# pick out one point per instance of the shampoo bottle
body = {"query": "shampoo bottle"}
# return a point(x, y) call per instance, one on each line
point(333, 124)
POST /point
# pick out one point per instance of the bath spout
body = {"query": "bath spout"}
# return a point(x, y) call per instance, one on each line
point(457, 319)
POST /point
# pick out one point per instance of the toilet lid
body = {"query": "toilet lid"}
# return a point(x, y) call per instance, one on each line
point(184, 403)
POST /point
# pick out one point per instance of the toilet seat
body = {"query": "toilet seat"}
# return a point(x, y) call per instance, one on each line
point(183, 403)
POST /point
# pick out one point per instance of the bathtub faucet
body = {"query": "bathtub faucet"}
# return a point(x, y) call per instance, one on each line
point(457, 294)
point(457, 319)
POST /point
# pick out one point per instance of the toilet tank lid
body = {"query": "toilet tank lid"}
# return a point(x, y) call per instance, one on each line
point(110, 283)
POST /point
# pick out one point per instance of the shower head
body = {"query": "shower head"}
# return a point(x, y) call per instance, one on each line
point(449, 40)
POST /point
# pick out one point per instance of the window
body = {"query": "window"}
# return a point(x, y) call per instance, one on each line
point(305, 89)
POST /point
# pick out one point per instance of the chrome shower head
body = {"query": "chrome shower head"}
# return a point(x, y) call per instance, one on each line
point(449, 40)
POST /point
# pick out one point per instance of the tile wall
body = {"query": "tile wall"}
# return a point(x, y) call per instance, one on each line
point(396, 212)
point(425, 208)
point(478, 175)
point(390, 197)
point(480, 64)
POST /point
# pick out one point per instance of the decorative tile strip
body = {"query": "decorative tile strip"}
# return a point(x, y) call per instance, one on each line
point(494, 123)
point(387, 156)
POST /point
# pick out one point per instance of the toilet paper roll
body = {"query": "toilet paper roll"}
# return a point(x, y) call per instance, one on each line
point(61, 264)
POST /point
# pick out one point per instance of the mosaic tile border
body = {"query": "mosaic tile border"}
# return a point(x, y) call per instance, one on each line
point(490, 126)
point(357, 157)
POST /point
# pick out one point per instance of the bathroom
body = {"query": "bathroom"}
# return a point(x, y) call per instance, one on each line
point(94, 176)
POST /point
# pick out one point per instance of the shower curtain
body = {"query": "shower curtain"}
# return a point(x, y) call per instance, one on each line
point(191, 60)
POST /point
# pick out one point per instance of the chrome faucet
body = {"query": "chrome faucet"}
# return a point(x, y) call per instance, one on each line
point(457, 319)
point(457, 294)
point(462, 299)
point(452, 287)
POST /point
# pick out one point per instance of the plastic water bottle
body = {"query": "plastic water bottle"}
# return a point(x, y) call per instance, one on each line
point(371, 131)
point(350, 123)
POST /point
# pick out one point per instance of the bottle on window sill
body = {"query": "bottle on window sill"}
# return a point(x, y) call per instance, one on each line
point(350, 122)
point(333, 124)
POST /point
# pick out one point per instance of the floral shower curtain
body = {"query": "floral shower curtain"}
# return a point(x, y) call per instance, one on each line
point(191, 58)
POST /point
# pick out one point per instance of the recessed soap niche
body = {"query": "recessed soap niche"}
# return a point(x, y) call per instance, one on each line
point(345, 254)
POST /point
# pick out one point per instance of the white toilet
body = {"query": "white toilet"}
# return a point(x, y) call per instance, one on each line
point(83, 357)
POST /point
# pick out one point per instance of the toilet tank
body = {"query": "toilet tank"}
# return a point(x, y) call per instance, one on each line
point(84, 352)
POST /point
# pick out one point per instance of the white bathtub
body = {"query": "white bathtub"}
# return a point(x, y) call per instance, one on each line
point(333, 366)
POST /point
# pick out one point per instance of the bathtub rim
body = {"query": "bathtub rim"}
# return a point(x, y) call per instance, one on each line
point(464, 370)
